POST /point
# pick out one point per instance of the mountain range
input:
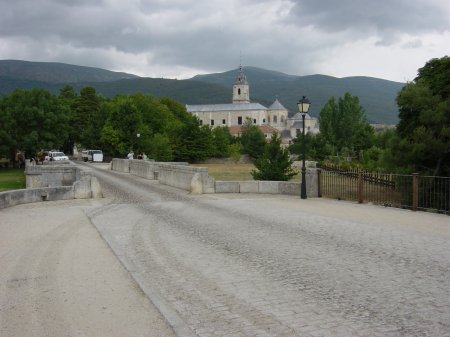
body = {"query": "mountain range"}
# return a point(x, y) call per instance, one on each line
point(377, 96)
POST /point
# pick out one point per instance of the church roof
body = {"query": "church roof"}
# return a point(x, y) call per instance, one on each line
point(240, 78)
point(277, 105)
point(298, 115)
point(225, 107)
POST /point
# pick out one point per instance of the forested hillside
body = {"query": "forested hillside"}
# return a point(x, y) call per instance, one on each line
point(377, 96)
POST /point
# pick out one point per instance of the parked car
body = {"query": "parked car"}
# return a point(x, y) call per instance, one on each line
point(56, 156)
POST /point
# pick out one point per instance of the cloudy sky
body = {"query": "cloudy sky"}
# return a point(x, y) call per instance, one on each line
point(388, 39)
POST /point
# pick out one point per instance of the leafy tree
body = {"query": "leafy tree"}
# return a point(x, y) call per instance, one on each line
point(192, 141)
point(252, 139)
point(32, 120)
point(67, 97)
point(316, 147)
point(221, 141)
point(160, 149)
point(234, 151)
point(123, 124)
point(86, 119)
point(424, 127)
point(343, 124)
point(274, 164)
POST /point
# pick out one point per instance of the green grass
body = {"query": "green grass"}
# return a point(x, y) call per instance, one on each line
point(229, 171)
point(11, 179)
point(232, 172)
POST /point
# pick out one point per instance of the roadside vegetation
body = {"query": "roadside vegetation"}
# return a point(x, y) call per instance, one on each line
point(33, 120)
point(232, 171)
point(11, 179)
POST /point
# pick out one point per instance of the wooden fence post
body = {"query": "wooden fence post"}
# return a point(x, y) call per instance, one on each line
point(415, 191)
point(360, 188)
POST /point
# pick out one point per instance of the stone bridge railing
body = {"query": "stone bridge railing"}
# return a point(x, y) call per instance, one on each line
point(196, 179)
point(53, 182)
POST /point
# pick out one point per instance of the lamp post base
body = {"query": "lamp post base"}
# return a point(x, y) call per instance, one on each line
point(303, 186)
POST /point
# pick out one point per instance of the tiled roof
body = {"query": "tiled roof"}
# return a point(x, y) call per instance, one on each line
point(225, 107)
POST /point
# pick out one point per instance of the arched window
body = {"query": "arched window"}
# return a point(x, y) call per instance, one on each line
point(239, 91)
point(275, 119)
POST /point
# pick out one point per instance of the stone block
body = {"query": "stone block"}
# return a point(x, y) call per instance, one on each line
point(270, 187)
point(290, 188)
point(227, 187)
point(96, 188)
point(82, 188)
point(250, 186)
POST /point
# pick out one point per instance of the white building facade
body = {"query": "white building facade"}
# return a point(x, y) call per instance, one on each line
point(235, 113)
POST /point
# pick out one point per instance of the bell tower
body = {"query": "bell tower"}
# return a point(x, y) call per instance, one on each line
point(241, 92)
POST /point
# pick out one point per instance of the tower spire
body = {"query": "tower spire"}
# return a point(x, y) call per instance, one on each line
point(241, 92)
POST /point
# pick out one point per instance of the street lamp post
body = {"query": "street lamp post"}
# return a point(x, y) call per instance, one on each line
point(303, 107)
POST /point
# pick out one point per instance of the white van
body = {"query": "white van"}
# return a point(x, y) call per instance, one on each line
point(92, 155)
point(95, 155)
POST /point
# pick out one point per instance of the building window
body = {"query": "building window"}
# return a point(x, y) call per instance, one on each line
point(264, 120)
point(201, 122)
point(224, 121)
point(212, 122)
point(254, 120)
point(274, 119)
point(282, 119)
point(239, 91)
point(239, 120)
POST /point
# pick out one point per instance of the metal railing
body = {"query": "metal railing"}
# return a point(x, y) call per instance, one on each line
point(404, 191)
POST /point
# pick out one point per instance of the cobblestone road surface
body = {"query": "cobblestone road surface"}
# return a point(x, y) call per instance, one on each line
point(249, 265)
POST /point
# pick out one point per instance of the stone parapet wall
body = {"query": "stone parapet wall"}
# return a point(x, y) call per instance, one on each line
point(267, 187)
point(196, 179)
point(53, 182)
point(25, 196)
point(50, 175)
point(120, 165)
point(193, 179)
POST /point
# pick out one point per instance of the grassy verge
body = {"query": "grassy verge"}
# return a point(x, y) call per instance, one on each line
point(229, 171)
point(11, 179)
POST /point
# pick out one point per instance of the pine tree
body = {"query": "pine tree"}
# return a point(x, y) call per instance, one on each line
point(274, 164)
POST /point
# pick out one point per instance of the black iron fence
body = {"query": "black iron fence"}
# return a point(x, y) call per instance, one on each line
point(404, 191)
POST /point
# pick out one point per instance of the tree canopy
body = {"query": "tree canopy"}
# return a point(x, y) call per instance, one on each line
point(274, 163)
point(32, 120)
point(343, 125)
point(423, 143)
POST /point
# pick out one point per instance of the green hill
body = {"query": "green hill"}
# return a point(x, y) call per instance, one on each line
point(52, 72)
point(377, 96)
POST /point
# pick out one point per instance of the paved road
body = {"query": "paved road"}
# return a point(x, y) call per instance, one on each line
point(260, 265)
point(59, 278)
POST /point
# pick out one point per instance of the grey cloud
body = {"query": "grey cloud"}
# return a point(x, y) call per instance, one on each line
point(209, 35)
point(385, 18)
